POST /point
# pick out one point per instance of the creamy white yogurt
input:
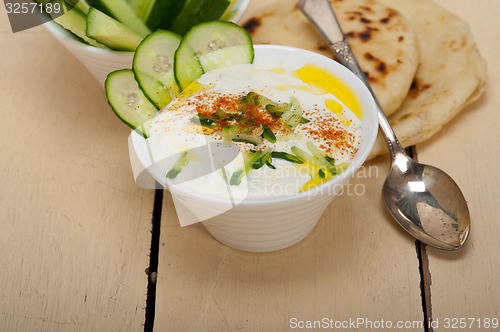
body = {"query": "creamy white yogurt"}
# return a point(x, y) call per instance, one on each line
point(333, 128)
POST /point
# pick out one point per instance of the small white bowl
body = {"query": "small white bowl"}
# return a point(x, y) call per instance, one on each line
point(100, 62)
point(276, 223)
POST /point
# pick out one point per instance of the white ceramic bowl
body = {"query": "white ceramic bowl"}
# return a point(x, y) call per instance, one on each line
point(101, 62)
point(272, 224)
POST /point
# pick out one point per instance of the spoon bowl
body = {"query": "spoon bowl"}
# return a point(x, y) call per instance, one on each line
point(423, 199)
point(427, 203)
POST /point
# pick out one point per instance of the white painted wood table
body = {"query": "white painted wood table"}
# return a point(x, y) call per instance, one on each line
point(78, 237)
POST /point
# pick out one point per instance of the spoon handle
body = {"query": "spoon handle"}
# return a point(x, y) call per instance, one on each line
point(321, 15)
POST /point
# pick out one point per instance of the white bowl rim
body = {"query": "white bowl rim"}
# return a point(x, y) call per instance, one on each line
point(368, 138)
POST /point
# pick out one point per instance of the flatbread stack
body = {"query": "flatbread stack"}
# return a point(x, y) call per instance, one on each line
point(420, 60)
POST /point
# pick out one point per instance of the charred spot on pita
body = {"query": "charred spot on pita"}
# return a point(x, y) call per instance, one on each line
point(366, 35)
point(252, 24)
point(366, 8)
point(350, 34)
point(382, 67)
point(368, 56)
point(417, 88)
point(322, 47)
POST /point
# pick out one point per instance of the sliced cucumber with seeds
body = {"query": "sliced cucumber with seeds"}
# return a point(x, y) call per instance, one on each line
point(209, 46)
point(110, 32)
point(157, 93)
point(154, 67)
point(128, 101)
point(187, 67)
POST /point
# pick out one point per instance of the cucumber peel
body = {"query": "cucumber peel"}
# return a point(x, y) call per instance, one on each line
point(253, 158)
point(82, 5)
point(157, 13)
point(195, 12)
point(187, 67)
point(286, 156)
point(128, 102)
point(121, 11)
point(153, 67)
point(110, 32)
point(209, 46)
point(178, 166)
point(76, 22)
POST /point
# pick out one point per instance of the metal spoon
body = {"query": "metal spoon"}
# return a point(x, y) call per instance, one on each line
point(424, 200)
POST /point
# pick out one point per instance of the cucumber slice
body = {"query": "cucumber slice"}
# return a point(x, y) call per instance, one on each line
point(81, 5)
point(238, 175)
point(178, 166)
point(141, 8)
point(187, 67)
point(229, 12)
point(198, 11)
point(110, 32)
point(163, 15)
point(76, 22)
point(157, 13)
point(268, 134)
point(154, 67)
point(263, 159)
point(156, 92)
point(128, 102)
point(253, 160)
point(121, 11)
point(238, 133)
point(286, 156)
point(311, 159)
point(209, 46)
point(317, 153)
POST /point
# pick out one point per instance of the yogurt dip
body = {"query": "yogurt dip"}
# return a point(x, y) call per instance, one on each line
point(267, 131)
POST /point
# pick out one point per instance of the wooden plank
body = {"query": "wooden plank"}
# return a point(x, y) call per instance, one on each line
point(75, 229)
point(466, 283)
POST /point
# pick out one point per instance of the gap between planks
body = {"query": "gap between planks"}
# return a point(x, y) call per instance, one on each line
point(423, 268)
point(152, 270)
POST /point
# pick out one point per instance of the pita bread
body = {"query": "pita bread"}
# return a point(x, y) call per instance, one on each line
point(382, 40)
point(451, 74)
point(451, 71)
